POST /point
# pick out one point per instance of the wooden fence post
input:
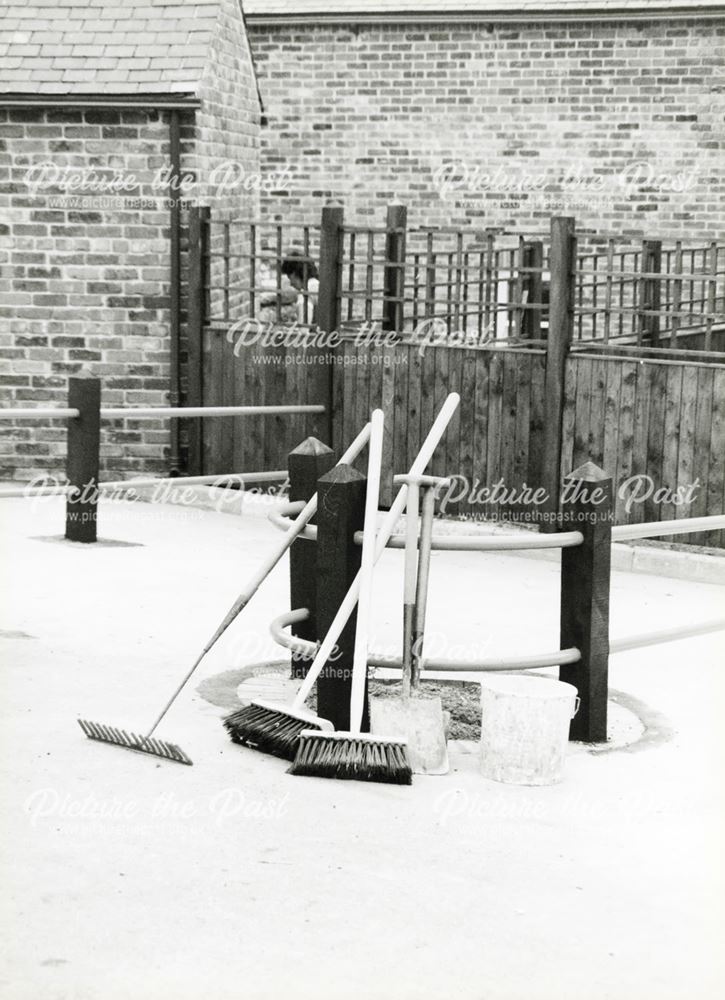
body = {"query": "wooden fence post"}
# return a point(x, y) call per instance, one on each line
point(532, 291)
point(341, 509)
point(585, 584)
point(561, 326)
point(328, 297)
point(82, 458)
point(198, 260)
point(394, 275)
point(650, 292)
point(306, 463)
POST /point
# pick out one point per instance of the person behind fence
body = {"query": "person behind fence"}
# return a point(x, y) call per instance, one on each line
point(296, 293)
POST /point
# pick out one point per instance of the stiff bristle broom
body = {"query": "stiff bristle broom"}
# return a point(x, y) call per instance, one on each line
point(170, 751)
point(355, 755)
point(275, 729)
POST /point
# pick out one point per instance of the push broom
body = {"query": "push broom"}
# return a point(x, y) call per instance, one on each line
point(170, 751)
point(355, 755)
point(274, 728)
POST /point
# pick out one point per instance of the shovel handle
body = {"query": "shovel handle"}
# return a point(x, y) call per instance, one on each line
point(421, 590)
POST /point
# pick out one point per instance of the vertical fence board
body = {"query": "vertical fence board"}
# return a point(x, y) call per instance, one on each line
point(495, 403)
point(641, 426)
point(625, 437)
point(449, 461)
point(582, 411)
point(673, 405)
point(481, 469)
point(705, 383)
point(522, 420)
point(415, 404)
point(469, 403)
point(536, 422)
point(655, 434)
point(686, 441)
point(387, 402)
point(716, 472)
point(568, 417)
point(597, 411)
point(401, 376)
point(612, 419)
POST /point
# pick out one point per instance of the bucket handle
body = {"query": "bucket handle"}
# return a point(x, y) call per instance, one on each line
point(577, 703)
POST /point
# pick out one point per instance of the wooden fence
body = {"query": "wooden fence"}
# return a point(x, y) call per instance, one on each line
point(576, 359)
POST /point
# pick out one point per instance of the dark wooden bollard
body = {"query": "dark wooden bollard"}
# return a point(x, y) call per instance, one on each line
point(306, 463)
point(585, 582)
point(82, 459)
point(340, 514)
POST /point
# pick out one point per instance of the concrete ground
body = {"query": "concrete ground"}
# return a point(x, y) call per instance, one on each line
point(125, 876)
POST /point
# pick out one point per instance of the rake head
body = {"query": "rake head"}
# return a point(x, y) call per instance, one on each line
point(142, 744)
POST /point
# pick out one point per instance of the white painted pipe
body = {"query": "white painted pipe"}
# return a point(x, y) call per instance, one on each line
point(664, 635)
point(653, 529)
point(134, 412)
point(46, 413)
point(126, 484)
point(529, 661)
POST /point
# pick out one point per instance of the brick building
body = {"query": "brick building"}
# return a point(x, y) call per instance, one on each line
point(498, 110)
point(96, 97)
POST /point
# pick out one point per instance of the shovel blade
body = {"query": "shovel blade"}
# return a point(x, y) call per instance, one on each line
point(419, 721)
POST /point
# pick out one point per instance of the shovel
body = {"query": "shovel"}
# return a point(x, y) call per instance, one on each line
point(417, 720)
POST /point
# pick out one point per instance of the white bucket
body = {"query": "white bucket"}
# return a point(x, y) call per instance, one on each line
point(525, 728)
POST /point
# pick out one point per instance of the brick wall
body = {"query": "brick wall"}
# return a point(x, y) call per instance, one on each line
point(84, 282)
point(369, 113)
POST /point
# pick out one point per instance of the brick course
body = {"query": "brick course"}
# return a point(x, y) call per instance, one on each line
point(368, 113)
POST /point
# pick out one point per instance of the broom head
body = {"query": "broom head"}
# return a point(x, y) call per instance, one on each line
point(272, 729)
point(349, 757)
point(131, 741)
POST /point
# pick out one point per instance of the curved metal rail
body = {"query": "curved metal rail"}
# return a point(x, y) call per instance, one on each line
point(453, 543)
point(529, 661)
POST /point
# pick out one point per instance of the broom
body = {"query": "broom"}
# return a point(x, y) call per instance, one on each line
point(274, 728)
point(354, 755)
point(170, 751)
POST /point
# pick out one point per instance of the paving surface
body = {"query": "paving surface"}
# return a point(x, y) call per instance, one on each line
point(127, 877)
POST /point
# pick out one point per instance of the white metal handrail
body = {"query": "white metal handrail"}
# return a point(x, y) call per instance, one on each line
point(528, 661)
point(44, 413)
point(653, 529)
point(128, 484)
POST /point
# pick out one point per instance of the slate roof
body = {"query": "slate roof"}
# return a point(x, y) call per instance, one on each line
point(104, 46)
point(257, 10)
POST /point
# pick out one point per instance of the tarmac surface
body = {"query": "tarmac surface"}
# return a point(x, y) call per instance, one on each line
point(125, 876)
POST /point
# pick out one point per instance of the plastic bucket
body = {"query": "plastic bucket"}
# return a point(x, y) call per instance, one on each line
point(525, 728)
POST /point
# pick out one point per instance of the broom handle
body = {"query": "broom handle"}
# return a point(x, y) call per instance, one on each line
point(307, 512)
point(386, 529)
point(367, 565)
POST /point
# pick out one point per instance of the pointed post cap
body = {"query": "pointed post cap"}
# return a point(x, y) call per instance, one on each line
point(342, 474)
point(311, 446)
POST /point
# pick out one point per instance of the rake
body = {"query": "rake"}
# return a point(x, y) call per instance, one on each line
point(170, 751)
